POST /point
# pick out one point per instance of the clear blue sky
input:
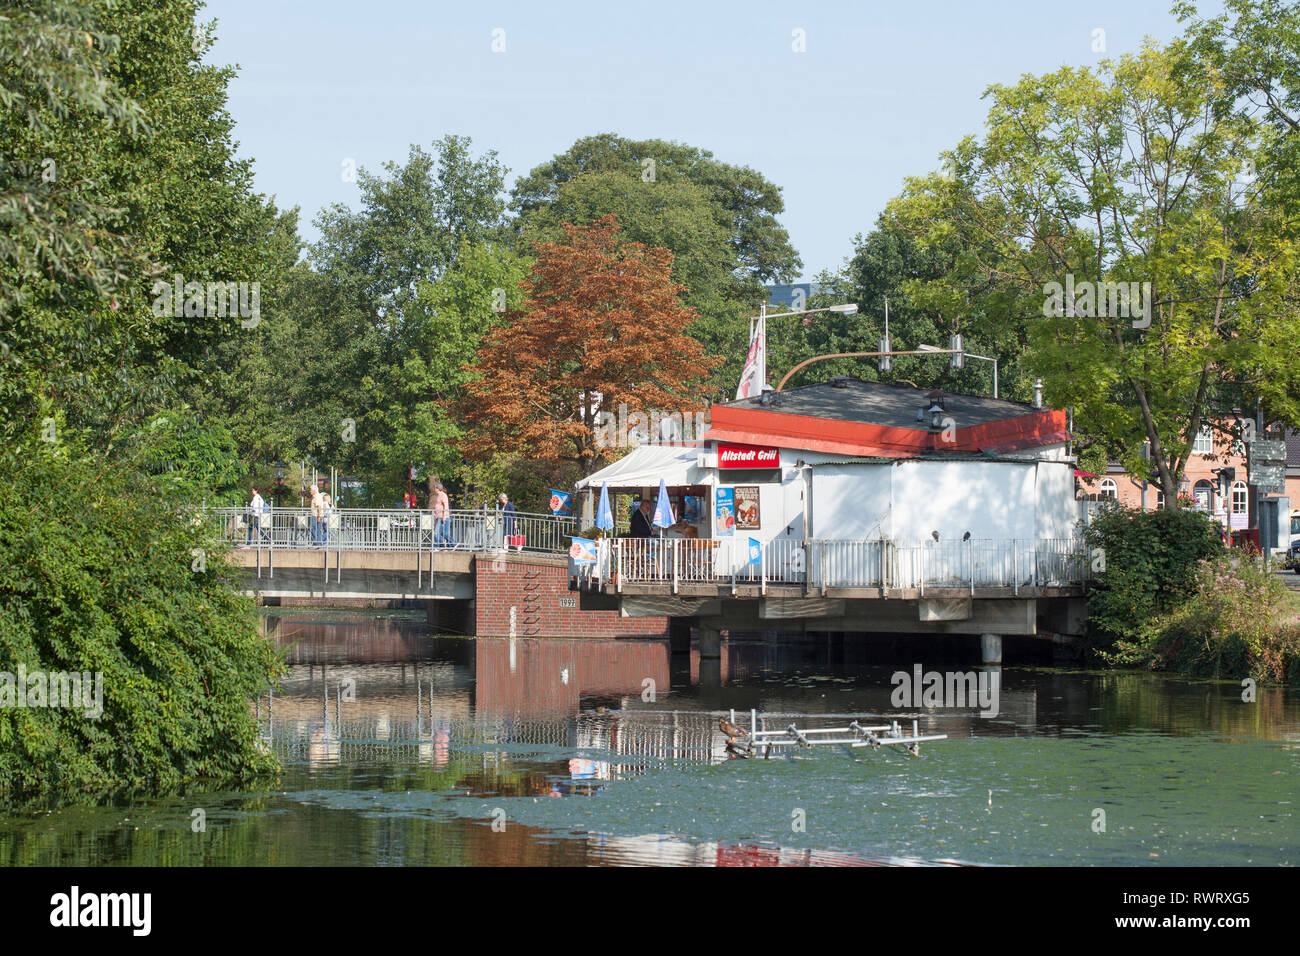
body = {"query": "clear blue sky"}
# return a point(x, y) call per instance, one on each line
point(881, 89)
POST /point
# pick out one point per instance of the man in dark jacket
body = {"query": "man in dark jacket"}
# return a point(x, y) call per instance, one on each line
point(643, 519)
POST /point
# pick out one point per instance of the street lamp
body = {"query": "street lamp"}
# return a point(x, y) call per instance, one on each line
point(758, 337)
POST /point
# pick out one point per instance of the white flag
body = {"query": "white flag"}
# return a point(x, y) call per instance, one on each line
point(750, 379)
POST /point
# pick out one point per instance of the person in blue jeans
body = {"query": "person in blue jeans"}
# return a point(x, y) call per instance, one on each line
point(442, 517)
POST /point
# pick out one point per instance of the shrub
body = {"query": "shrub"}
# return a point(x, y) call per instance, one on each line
point(97, 575)
point(1151, 560)
point(1231, 626)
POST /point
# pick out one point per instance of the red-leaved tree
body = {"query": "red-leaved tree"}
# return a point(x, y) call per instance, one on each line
point(602, 325)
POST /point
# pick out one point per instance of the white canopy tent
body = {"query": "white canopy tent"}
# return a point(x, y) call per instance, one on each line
point(677, 465)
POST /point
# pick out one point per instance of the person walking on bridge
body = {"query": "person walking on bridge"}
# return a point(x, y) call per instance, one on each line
point(317, 506)
point(255, 509)
point(326, 509)
point(442, 516)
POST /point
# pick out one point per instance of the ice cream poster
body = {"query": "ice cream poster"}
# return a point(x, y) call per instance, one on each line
point(724, 512)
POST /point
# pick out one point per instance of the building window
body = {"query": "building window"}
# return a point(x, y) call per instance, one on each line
point(1204, 443)
point(1204, 495)
point(1109, 488)
point(1160, 500)
point(1238, 497)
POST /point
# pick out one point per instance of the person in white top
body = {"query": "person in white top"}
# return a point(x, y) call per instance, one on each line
point(315, 512)
point(256, 507)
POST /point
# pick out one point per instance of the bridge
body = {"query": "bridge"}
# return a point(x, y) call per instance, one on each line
point(484, 572)
point(984, 587)
point(498, 574)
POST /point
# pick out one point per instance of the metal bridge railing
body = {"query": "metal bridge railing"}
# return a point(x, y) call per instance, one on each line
point(365, 529)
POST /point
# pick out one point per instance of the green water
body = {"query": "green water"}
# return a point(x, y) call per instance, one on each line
point(491, 752)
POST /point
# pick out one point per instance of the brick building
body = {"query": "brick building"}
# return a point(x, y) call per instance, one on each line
point(1210, 452)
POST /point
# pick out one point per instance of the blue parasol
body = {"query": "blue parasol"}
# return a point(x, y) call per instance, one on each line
point(604, 516)
point(663, 510)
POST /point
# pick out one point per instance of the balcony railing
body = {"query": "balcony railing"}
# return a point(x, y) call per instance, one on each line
point(830, 563)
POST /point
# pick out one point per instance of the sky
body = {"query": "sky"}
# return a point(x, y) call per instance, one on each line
point(877, 92)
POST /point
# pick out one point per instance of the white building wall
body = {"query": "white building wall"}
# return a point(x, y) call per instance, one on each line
point(906, 500)
point(1057, 511)
point(989, 499)
point(850, 501)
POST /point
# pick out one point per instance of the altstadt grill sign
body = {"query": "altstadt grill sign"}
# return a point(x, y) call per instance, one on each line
point(748, 456)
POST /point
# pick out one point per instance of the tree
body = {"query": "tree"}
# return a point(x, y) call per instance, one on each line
point(1125, 183)
point(890, 263)
point(410, 226)
point(762, 250)
point(447, 322)
point(718, 220)
point(601, 325)
point(99, 456)
point(97, 579)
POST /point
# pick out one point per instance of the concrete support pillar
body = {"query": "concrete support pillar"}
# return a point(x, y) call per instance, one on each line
point(710, 643)
point(990, 649)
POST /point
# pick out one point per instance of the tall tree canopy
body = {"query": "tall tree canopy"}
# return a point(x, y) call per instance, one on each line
point(411, 224)
point(122, 170)
point(1129, 173)
point(602, 324)
point(718, 220)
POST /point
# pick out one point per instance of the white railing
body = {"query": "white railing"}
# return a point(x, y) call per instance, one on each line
point(367, 529)
point(829, 563)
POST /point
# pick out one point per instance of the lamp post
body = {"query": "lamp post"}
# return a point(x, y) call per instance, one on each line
point(760, 322)
point(982, 358)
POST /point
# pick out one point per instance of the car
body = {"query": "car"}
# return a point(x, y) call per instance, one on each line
point(1292, 560)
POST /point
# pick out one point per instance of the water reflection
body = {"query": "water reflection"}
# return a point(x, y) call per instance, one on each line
point(403, 748)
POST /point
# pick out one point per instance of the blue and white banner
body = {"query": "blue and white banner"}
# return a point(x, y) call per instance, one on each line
point(755, 551)
point(583, 551)
point(560, 502)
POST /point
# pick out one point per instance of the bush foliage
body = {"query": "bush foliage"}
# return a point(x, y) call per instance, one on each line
point(97, 574)
point(1171, 596)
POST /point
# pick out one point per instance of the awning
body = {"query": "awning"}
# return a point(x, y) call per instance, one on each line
point(1083, 474)
point(677, 465)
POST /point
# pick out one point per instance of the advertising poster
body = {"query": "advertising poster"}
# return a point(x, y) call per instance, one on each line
point(724, 513)
point(747, 515)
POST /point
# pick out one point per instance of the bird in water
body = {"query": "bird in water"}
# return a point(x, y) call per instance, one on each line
point(731, 730)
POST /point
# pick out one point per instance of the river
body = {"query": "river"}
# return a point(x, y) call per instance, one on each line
point(403, 747)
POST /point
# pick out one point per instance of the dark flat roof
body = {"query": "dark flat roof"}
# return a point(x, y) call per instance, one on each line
point(876, 403)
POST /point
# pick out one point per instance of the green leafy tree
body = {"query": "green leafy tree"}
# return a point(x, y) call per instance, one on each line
point(99, 453)
point(410, 226)
point(98, 576)
point(1130, 173)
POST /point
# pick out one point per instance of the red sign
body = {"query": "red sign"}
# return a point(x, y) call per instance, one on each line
point(748, 456)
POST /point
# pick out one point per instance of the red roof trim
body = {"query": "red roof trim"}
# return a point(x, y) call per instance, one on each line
point(760, 427)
